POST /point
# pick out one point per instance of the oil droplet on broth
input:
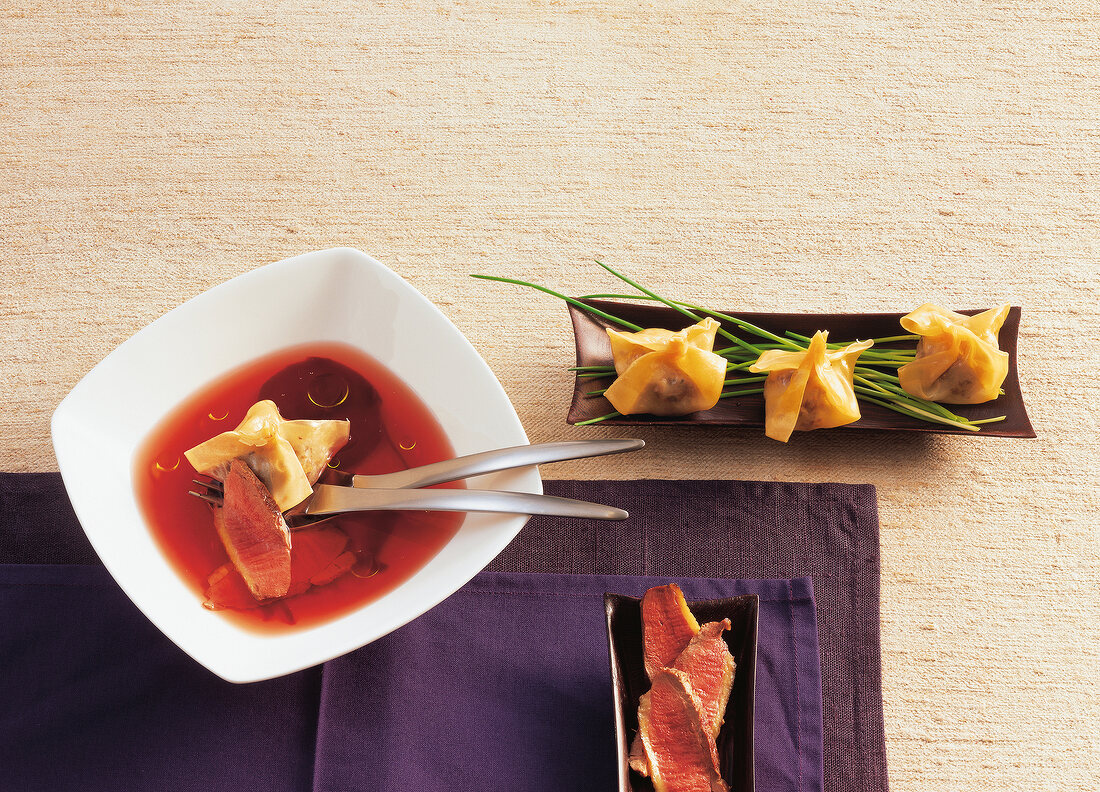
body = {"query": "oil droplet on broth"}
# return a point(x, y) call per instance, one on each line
point(328, 391)
point(366, 568)
point(213, 415)
point(411, 445)
point(161, 468)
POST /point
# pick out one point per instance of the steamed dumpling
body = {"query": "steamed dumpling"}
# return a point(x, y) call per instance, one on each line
point(287, 456)
point(809, 390)
point(666, 372)
point(628, 347)
point(679, 379)
point(958, 360)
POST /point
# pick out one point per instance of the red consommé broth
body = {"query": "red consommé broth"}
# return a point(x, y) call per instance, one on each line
point(391, 429)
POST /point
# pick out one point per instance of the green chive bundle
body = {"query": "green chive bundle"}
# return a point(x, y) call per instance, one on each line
point(875, 381)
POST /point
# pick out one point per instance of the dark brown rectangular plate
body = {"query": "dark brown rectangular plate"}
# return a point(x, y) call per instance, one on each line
point(629, 682)
point(594, 349)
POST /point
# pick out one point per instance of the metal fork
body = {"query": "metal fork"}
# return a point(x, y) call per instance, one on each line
point(328, 501)
point(486, 462)
point(400, 491)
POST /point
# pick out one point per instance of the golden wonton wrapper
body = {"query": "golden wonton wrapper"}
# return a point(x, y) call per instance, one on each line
point(958, 360)
point(287, 456)
point(628, 347)
point(809, 390)
point(679, 379)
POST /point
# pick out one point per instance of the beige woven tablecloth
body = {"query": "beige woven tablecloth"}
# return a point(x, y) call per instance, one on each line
point(794, 155)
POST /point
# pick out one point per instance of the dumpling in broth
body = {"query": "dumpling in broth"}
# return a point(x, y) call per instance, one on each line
point(679, 379)
point(628, 347)
point(287, 456)
point(809, 390)
point(958, 360)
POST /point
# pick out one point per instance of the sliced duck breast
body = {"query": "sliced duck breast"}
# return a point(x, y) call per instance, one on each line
point(254, 533)
point(682, 758)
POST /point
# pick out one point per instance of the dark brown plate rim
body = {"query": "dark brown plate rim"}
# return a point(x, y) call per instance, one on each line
point(594, 349)
point(628, 681)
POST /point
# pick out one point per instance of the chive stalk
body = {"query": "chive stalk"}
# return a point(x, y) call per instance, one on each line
point(871, 383)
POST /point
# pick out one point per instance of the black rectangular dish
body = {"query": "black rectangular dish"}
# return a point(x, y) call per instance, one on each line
point(594, 349)
point(629, 682)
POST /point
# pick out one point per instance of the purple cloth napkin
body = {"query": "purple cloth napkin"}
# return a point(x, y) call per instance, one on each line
point(94, 697)
point(749, 529)
point(678, 529)
point(506, 686)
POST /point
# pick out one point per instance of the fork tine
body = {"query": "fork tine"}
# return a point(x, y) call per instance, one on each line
point(212, 484)
point(215, 500)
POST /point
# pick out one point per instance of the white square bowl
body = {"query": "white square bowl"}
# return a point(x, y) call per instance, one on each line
point(330, 295)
